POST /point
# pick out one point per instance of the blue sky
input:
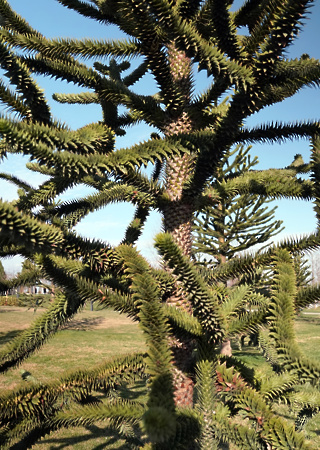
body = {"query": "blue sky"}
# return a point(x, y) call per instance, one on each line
point(54, 20)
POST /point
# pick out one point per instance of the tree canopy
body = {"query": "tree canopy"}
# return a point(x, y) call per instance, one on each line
point(197, 398)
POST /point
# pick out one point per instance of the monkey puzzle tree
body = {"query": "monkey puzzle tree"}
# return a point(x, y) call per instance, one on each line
point(236, 222)
point(184, 318)
point(3, 277)
point(2, 272)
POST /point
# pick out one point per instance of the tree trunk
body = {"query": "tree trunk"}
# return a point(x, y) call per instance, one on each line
point(178, 216)
point(225, 348)
point(178, 220)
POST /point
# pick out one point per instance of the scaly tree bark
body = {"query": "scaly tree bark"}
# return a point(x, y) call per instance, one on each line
point(171, 40)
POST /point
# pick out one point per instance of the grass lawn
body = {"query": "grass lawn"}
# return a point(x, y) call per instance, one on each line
point(89, 339)
point(308, 333)
point(94, 336)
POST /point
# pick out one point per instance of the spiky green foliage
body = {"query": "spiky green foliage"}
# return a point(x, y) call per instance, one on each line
point(236, 219)
point(206, 404)
point(3, 281)
point(38, 407)
point(177, 306)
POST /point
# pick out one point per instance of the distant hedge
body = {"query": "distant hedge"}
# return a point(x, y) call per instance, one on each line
point(24, 300)
point(11, 300)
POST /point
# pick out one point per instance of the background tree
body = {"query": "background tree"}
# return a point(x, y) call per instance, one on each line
point(236, 222)
point(194, 133)
point(303, 270)
point(2, 272)
point(3, 277)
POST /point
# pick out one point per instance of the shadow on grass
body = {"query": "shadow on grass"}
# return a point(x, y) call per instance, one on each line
point(87, 323)
point(7, 337)
point(112, 440)
point(133, 392)
point(309, 319)
point(250, 355)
